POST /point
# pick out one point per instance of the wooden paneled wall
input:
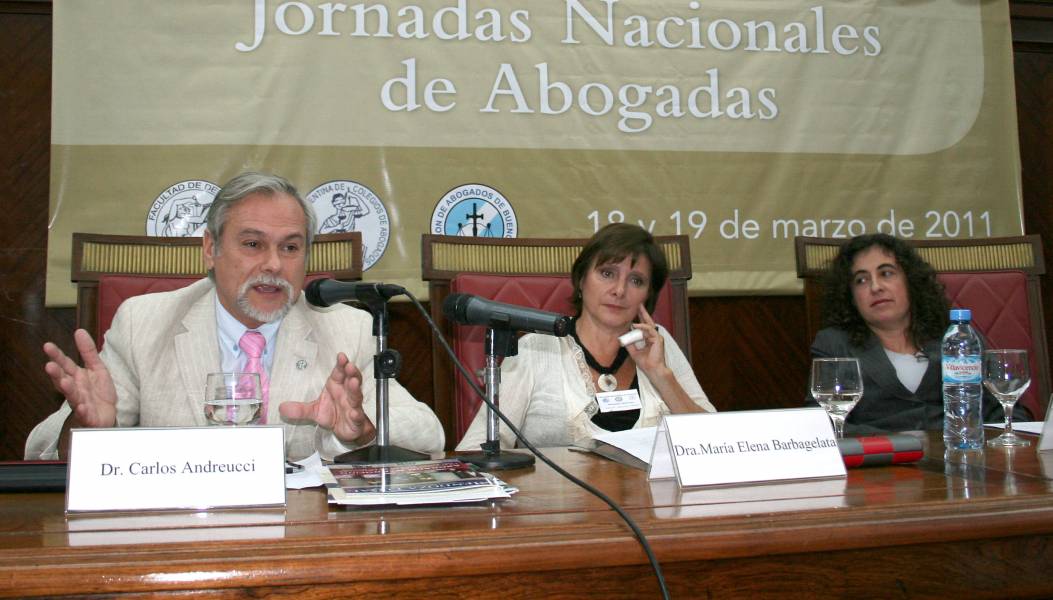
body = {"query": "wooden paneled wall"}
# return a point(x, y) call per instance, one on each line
point(749, 352)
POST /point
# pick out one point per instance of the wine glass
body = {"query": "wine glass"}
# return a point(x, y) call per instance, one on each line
point(837, 385)
point(233, 399)
point(1007, 375)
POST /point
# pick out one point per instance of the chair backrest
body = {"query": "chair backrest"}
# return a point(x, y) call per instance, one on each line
point(997, 278)
point(532, 272)
point(110, 268)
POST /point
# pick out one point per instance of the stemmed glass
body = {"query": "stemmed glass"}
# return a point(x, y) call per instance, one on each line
point(837, 385)
point(1007, 375)
point(233, 399)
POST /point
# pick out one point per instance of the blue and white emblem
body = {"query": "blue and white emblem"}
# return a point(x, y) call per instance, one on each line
point(345, 205)
point(475, 210)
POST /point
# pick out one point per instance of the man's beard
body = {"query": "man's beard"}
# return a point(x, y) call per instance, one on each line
point(256, 314)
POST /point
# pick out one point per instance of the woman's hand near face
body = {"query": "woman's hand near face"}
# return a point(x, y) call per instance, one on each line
point(651, 360)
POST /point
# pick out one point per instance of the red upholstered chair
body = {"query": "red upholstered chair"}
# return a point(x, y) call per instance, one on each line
point(997, 278)
point(115, 289)
point(999, 302)
point(110, 268)
point(524, 271)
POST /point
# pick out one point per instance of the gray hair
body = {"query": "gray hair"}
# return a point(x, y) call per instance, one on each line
point(249, 183)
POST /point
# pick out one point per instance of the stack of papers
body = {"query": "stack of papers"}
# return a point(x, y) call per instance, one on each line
point(631, 447)
point(419, 482)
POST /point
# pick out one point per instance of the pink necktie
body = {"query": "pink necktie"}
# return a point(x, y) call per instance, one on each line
point(252, 344)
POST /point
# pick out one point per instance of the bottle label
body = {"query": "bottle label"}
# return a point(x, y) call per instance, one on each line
point(962, 369)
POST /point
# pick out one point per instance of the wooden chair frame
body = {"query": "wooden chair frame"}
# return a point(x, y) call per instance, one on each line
point(445, 257)
point(96, 255)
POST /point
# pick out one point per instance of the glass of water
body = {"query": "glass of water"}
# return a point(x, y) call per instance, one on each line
point(837, 385)
point(1007, 375)
point(233, 399)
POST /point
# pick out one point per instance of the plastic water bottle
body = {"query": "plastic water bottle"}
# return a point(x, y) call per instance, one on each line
point(962, 384)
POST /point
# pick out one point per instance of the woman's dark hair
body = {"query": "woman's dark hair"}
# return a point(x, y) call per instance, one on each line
point(928, 305)
point(612, 244)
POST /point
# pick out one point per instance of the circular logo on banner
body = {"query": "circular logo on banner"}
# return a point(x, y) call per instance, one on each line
point(345, 205)
point(180, 210)
point(475, 210)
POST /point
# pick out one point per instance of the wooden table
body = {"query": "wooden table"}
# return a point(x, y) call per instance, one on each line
point(932, 529)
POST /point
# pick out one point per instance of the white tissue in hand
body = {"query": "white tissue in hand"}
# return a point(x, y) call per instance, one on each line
point(634, 336)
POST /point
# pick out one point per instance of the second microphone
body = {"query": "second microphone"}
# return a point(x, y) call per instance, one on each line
point(467, 309)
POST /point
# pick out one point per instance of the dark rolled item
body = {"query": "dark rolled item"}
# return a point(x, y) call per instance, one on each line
point(33, 476)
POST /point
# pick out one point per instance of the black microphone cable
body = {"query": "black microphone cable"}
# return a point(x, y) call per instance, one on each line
point(519, 436)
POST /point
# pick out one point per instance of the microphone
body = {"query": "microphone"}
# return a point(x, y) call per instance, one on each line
point(327, 292)
point(467, 309)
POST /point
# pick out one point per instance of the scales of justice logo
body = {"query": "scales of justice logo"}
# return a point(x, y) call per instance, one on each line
point(180, 210)
point(345, 205)
point(475, 210)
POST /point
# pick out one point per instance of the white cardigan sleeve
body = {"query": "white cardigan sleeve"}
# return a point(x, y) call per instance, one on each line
point(683, 372)
point(522, 377)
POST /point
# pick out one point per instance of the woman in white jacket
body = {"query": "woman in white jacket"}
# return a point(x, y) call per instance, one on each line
point(562, 391)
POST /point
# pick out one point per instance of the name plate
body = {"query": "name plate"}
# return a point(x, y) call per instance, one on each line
point(175, 468)
point(1045, 440)
point(749, 446)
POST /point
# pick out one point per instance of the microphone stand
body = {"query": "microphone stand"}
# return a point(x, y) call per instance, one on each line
point(500, 342)
point(386, 365)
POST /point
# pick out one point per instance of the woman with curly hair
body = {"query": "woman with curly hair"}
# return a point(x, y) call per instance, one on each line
point(884, 306)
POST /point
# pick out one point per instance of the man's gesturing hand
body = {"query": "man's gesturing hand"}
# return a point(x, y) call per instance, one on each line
point(338, 407)
point(89, 389)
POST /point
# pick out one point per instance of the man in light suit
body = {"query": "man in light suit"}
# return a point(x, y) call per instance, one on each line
point(151, 371)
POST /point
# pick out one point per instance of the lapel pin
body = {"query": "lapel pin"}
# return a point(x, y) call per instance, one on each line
point(301, 365)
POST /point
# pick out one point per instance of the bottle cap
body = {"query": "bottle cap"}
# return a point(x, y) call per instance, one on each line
point(961, 314)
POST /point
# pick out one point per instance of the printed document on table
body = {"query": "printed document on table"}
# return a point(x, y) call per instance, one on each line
point(638, 442)
point(307, 476)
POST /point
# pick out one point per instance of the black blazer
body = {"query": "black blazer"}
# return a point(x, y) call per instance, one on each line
point(887, 405)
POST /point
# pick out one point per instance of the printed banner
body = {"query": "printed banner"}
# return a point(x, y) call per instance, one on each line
point(739, 123)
